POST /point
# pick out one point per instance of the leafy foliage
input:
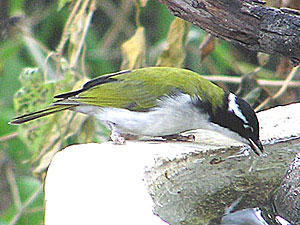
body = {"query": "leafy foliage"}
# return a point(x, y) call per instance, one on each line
point(174, 52)
point(61, 44)
point(51, 133)
point(134, 50)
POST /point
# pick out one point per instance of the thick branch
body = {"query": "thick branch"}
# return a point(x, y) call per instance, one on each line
point(247, 22)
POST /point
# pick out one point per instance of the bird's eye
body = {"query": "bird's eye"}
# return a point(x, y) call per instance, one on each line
point(248, 128)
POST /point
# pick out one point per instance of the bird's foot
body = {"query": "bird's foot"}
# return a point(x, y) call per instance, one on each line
point(115, 136)
point(179, 137)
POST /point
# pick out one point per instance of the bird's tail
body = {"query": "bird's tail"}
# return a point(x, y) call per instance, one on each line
point(41, 113)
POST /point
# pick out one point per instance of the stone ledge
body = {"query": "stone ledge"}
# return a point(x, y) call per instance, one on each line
point(190, 183)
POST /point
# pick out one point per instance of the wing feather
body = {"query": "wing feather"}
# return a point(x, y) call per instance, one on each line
point(140, 89)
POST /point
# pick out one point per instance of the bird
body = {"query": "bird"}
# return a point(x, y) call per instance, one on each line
point(158, 102)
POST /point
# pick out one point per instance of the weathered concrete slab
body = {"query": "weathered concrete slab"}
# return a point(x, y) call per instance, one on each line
point(190, 183)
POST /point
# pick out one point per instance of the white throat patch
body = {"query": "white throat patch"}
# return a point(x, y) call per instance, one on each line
point(234, 107)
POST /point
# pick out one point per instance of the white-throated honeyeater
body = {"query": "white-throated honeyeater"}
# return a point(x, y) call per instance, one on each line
point(159, 102)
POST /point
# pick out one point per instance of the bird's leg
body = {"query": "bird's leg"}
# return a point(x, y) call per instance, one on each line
point(115, 135)
point(179, 137)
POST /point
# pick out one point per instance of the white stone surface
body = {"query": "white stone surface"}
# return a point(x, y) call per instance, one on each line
point(100, 184)
point(280, 122)
point(104, 183)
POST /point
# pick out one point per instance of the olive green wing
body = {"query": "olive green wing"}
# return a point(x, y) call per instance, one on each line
point(136, 90)
point(139, 90)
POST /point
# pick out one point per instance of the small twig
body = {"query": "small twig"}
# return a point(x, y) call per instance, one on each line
point(52, 145)
point(35, 209)
point(137, 14)
point(257, 69)
point(65, 34)
point(92, 9)
point(120, 22)
point(237, 80)
point(13, 187)
point(281, 91)
point(8, 137)
point(38, 43)
point(37, 48)
point(265, 102)
point(50, 54)
point(83, 67)
point(14, 134)
point(27, 203)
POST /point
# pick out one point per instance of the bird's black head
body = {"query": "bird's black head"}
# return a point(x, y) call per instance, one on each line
point(237, 116)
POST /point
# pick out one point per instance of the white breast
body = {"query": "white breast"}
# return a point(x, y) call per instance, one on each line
point(173, 115)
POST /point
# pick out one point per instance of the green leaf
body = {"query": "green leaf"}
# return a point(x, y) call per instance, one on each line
point(16, 7)
point(133, 50)
point(26, 187)
point(52, 132)
point(62, 3)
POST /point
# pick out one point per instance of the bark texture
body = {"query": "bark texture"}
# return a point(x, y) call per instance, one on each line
point(246, 22)
point(287, 199)
point(212, 179)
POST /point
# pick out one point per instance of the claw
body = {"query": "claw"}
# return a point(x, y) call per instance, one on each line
point(115, 135)
point(117, 138)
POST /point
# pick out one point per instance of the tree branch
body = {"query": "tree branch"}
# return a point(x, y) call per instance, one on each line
point(281, 91)
point(246, 22)
point(26, 205)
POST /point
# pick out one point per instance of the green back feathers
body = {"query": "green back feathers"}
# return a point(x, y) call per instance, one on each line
point(139, 89)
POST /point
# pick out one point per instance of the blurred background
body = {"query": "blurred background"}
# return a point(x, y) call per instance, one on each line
point(50, 47)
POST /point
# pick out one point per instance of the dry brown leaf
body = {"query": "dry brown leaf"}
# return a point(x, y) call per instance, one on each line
point(133, 51)
point(78, 30)
point(143, 2)
point(283, 68)
point(174, 52)
point(262, 58)
point(206, 47)
point(46, 160)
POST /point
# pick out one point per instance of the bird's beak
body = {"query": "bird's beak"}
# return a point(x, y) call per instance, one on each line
point(256, 145)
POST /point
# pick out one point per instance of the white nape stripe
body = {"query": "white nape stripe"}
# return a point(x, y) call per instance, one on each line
point(233, 107)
